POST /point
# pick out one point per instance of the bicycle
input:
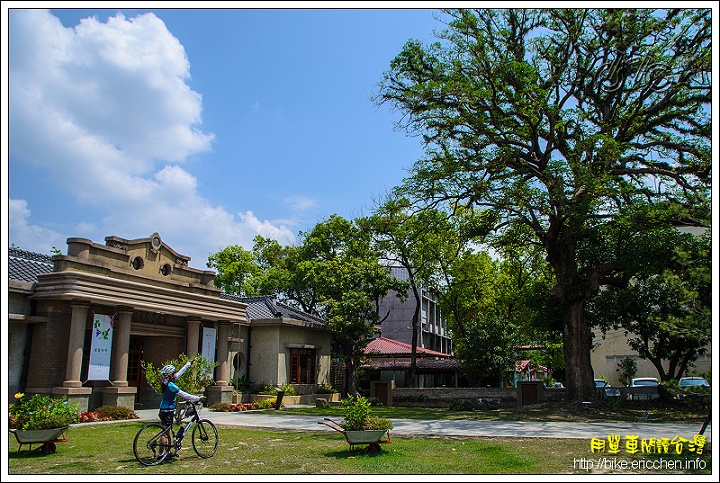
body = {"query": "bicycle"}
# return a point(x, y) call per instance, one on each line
point(148, 445)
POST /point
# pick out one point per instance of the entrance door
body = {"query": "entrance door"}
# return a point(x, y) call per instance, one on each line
point(134, 370)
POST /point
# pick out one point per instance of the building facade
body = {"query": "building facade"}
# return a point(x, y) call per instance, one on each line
point(433, 333)
point(158, 307)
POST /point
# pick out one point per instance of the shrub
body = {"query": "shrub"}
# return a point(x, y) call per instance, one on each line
point(195, 379)
point(221, 407)
point(376, 422)
point(325, 389)
point(230, 408)
point(118, 412)
point(268, 389)
point(265, 404)
point(242, 384)
point(93, 417)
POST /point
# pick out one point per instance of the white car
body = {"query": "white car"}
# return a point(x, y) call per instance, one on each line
point(644, 382)
point(692, 384)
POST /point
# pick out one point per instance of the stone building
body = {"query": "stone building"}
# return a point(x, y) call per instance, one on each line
point(158, 307)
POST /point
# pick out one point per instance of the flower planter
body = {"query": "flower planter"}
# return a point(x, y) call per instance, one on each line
point(329, 397)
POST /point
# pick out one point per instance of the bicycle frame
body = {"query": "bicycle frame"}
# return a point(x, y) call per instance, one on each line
point(149, 448)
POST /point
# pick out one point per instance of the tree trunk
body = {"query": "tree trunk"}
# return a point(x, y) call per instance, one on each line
point(577, 343)
point(572, 291)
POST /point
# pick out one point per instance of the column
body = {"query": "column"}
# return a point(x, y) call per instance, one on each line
point(121, 347)
point(120, 394)
point(72, 387)
point(76, 341)
point(194, 327)
point(221, 377)
point(221, 391)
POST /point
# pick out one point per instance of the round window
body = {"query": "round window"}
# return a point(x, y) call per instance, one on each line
point(137, 263)
point(166, 269)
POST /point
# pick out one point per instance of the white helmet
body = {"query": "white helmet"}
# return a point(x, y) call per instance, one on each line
point(168, 370)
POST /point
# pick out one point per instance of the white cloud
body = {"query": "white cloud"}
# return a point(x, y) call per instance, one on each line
point(31, 237)
point(300, 203)
point(105, 111)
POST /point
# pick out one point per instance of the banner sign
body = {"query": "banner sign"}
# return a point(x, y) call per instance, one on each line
point(208, 345)
point(101, 348)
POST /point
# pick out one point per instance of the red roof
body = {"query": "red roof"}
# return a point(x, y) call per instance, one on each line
point(382, 347)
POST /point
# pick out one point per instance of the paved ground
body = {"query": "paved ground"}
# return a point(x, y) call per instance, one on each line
point(278, 420)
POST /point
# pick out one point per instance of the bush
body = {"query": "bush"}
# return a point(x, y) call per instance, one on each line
point(358, 415)
point(118, 412)
point(325, 389)
point(268, 389)
point(196, 378)
point(221, 407)
point(265, 404)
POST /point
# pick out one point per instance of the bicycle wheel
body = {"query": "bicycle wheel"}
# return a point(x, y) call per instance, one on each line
point(147, 447)
point(205, 438)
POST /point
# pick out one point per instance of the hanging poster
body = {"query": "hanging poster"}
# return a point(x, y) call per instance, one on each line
point(208, 345)
point(101, 348)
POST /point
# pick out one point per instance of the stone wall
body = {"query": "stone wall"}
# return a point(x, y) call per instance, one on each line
point(443, 397)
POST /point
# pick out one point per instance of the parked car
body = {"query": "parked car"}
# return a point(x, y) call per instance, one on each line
point(601, 383)
point(644, 382)
point(558, 384)
point(692, 384)
point(693, 381)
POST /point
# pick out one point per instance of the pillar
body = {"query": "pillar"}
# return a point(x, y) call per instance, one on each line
point(76, 341)
point(221, 391)
point(121, 347)
point(194, 327)
point(72, 386)
point(221, 371)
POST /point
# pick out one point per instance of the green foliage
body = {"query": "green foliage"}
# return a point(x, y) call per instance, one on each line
point(357, 413)
point(197, 377)
point(358, 417)
point(534, 115)
point(242, 384)
point(325, 388)
point(269, 389)
point(627, 369)
point(376, 422)
point(117, 412)
point(220, 406)
point(237, 272)
point(42, 412)
point(265, 403)
point(666, 308)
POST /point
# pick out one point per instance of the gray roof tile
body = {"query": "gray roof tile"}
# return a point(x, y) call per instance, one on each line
point(26, 266)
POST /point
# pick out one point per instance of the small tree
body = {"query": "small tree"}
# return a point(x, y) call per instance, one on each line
point(195, 379)
point(627, 369)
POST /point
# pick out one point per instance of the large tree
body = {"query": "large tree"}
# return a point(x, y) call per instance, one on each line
point(408, 239)
point(567, 121)
point(334, 273)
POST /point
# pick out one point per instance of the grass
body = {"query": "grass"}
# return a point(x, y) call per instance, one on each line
point(600, 411)
point(107, 449)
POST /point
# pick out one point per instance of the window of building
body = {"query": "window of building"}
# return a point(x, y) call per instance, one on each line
point(302, 366)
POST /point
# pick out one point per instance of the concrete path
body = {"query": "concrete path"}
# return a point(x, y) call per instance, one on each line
point(277, 420)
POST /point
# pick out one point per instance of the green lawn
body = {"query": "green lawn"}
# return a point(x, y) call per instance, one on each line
point(107, 449)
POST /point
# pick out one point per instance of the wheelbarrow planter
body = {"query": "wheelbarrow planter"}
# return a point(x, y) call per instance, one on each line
point(44, 437)
point(373, 438)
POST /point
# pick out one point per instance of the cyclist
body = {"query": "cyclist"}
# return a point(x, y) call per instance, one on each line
point(169, 392)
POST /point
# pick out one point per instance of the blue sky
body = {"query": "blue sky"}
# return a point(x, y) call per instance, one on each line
point(208, 126)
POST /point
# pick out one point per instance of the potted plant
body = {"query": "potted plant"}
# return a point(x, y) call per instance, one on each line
point(41, 419)
point(359, 426)
point(358, 416)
